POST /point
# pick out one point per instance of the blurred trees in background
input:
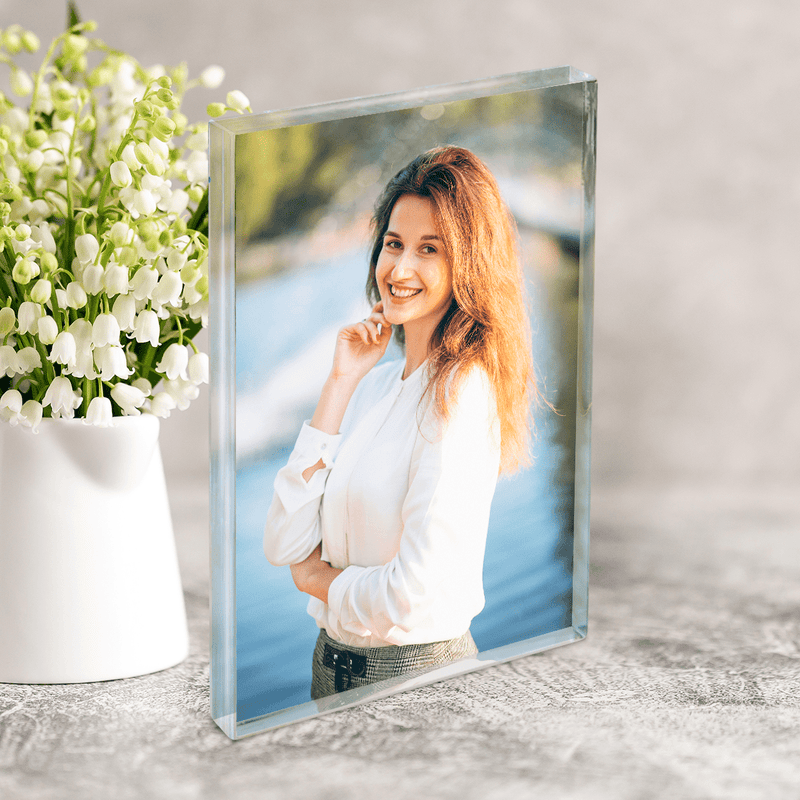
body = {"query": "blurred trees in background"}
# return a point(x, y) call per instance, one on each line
point(288, 178)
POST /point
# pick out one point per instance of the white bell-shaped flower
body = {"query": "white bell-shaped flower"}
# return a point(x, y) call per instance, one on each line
point(8, 320)
point(31, 415)
point(28, 360)
point(59, 141)
point(161, 404)
point(199, 311)
point(182, 391)
point(111, 362)
point(105, 330)
point(76, 295)
point(128, 398)
point(143, 385)
point(143, 152)
point(42, 290)
point(9, 361)
point(86, 248)
point(237, 100)
point(40, 210)
point(84, 363)
point(10, 406)
point(66, 125)
point(61, 398)
point(33, 160)
point(64, 350)
point(144, 203)
point(161, 149)
point(174, 361)
point(99, 413)
point(92, 279)
point(21, 83)
point(115, 279)
point(20, 209)
point(124, 309)
point(191, 295)
point(176, 259)
point(17, 120)
point(198, 140)
point(147, 327)
point(81, 329)
point(129, 158)
point(177, 203)
point(47, 330)
point(169, 287)
point(120, 175)
point(197, 167)
point(212, 77)
point(143, 282)
point(197, 368)
point(25, 269)
point(126, 197)
point(121, 234)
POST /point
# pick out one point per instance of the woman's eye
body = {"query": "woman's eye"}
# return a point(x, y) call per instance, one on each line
point(428, 249)
point(392, 244)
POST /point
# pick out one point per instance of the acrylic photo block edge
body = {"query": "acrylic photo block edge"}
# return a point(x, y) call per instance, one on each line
point(222, 410)
point(396, 101)
point(583, 415)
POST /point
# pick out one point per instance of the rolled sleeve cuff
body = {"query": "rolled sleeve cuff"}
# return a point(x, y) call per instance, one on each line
point(313, 445)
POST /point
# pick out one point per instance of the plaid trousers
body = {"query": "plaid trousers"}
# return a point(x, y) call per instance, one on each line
point(336, 667)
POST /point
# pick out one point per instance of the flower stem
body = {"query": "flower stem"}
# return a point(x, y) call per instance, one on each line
point(199, 213)
point(147, 362)
point(12, 288)
point(87, 395)
point(39, 74)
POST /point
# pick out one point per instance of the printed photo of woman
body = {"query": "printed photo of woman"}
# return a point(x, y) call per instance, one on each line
point(382, 510)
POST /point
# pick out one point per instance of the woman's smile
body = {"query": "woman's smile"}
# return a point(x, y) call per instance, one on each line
point(403, 292)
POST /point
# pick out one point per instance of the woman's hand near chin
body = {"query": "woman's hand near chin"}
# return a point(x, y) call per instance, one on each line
point(361, 345)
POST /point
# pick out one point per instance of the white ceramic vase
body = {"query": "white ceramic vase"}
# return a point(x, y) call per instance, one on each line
point(89, 581)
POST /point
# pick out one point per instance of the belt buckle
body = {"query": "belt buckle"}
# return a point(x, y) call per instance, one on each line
point(346, 666)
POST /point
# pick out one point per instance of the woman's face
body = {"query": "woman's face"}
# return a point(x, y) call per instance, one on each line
point(414, 277)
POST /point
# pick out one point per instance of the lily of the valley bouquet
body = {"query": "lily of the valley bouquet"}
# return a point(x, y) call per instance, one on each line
point(103, 233)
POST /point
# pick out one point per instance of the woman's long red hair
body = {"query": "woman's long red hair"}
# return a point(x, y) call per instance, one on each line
point(487, 323)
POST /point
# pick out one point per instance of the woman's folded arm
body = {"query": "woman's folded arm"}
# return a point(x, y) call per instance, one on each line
point(292, 529)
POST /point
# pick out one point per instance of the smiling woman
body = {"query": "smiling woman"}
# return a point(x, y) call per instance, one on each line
point(383, 508)
point(413, 275)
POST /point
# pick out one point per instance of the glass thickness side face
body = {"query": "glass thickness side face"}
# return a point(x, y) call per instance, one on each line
point(292, 198)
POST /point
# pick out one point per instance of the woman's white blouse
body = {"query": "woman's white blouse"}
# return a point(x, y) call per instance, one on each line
point(401, 505)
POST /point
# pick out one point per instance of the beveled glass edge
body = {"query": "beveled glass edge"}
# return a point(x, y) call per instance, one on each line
point(426, 95)
point(583, 415)
point(392, 686)
point(222, 341)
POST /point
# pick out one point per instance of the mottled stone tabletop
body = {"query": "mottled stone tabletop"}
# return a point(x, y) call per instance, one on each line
point(686, 687)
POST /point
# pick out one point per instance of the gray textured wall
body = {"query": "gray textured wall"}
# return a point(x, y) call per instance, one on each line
point(699, 183)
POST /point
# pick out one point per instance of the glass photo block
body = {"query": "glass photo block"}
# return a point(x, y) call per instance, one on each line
point(390, 507)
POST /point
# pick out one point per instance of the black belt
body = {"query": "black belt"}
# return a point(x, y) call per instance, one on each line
point(346, 666)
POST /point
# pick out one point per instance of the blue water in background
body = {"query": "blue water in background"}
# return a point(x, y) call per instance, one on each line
point(528, 564)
